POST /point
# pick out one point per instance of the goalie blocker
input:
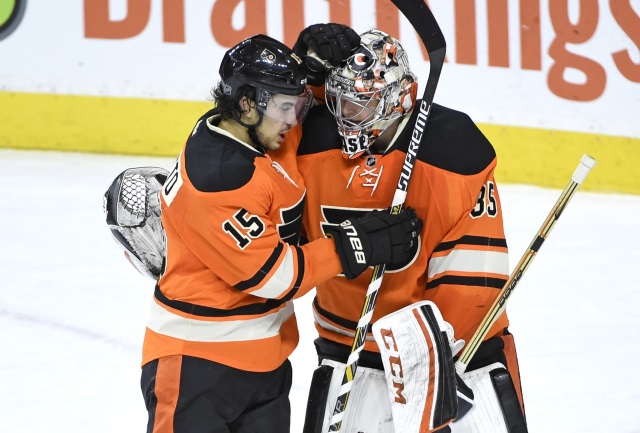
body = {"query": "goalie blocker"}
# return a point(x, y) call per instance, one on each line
point(417, 348)
point(419, 390)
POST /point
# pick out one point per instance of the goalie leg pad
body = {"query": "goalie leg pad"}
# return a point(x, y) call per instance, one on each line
point(368, 409)
point(415, 343)
point(497, 408)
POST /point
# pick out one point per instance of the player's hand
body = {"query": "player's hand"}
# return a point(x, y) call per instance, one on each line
point(376, 238)
point(322, 46)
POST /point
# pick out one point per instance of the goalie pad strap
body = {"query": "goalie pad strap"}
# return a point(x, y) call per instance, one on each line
point(509, 402)
point(496, 405)
point(317, 402)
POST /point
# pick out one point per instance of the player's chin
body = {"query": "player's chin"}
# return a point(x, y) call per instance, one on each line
point(274, 145)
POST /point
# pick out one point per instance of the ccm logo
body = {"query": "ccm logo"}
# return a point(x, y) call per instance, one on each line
point(395, 365)
point(355, 241)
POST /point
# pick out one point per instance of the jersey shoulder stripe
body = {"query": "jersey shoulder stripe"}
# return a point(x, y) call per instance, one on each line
point(215, 162)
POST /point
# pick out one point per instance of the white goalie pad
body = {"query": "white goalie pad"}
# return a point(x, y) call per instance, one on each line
point(416, 346)
point(487, 415)
point(368, 407)
point(132, 212)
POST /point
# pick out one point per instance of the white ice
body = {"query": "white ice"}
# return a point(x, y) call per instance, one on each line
point(73, 311)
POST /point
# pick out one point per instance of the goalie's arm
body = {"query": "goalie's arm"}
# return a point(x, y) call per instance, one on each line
point(470, 264)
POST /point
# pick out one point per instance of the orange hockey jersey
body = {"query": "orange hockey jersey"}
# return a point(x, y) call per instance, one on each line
point(229, 280)
point(462, 261)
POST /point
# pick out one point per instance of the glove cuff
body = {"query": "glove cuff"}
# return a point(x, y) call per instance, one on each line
point(316, 69)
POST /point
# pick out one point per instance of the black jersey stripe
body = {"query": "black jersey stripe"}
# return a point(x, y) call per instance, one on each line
point(200, 310)
point(472, 240)
point(496, 283)
point(296, 285)
point(340, 321)
point(263, 271)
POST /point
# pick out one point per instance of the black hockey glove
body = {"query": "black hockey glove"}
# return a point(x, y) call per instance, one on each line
point(322, 46)
point(376, 238)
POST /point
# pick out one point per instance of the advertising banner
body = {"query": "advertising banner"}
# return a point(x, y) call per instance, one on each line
point(545, 80)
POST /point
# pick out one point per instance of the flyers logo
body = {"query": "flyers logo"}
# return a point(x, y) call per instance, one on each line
point(289, 230)
point(267, 56)
point(334, 216)
point(11, 13)
point(362, 60)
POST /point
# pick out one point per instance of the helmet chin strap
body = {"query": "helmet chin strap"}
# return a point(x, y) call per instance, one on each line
point(251, 129)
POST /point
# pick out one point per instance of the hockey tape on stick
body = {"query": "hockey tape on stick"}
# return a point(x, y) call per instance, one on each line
point(425, 24)
point(586, 164)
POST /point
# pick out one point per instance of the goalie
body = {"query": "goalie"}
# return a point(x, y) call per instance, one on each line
point(351, 155)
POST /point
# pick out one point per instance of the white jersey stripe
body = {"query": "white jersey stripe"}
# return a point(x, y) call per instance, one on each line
point(489, 262)
point(281, 280)
point(167, 323)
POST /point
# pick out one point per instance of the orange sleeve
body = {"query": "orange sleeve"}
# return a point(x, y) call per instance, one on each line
point(470, 259)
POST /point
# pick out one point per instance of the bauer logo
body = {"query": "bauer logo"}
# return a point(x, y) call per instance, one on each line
point(11, 13)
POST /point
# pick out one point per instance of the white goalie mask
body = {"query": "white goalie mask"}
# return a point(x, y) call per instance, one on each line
point(364, 93)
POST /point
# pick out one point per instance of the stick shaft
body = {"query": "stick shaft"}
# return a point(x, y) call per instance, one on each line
point(499, 305)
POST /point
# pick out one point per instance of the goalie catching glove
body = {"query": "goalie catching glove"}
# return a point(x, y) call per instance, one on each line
point(132, 210)
point(376, 238)
point(323, 46)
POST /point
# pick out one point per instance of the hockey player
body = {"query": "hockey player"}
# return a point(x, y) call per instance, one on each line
point(222, 324)
point(458, 269)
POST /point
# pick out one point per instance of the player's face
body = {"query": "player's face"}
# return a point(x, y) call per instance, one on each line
point(282, 112)
point(359, 111)
point(271, 132)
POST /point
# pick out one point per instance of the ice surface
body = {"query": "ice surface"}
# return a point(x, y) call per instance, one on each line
point(73, 311)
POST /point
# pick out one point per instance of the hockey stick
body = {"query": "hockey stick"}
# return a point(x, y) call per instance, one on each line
point(425, 24)
point(586, 164)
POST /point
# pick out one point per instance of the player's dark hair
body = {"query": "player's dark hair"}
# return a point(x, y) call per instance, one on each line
point(229, 105)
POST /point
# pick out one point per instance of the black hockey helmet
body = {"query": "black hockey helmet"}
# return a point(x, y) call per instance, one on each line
point(272, 69)
point(264, 63)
